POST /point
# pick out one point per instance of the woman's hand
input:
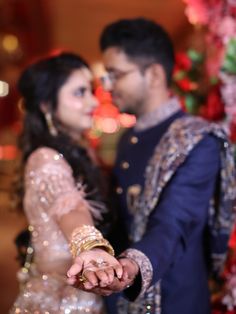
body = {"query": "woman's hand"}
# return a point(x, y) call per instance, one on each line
point(94, 267)
point(130, 271)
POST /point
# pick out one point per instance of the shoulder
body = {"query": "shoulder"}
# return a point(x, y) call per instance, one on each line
point(205, 156)
point(46, 157)
point(189, 123)
point(196, 124)
point(193, 128)
point(208, 147)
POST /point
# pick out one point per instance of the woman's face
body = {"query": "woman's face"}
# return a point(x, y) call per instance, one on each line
point(76, 101)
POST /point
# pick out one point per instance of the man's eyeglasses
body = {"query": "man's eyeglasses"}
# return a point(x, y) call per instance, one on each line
point(114, 76)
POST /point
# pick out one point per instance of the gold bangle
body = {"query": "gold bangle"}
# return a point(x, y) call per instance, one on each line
point(100, 244)
point(87, 237)
point(81, 235)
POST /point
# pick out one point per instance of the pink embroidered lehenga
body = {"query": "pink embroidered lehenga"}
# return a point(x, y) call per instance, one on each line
point(50, 192)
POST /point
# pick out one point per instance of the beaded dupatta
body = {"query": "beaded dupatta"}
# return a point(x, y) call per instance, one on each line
point(182, 136)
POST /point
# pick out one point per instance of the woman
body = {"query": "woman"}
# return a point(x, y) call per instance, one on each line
point(62, 197)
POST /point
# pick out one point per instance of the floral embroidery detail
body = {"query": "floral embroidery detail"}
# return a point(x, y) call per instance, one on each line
point(144, 264)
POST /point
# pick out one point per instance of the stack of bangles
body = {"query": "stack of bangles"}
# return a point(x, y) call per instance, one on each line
point(87, 237)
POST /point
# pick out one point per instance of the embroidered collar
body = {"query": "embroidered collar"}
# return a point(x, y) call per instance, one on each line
point(163, 112)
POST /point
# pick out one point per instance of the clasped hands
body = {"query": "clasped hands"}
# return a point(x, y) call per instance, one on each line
point(99, 272)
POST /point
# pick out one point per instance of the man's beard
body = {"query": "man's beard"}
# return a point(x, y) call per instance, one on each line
point(128, 111)
point(133, 109)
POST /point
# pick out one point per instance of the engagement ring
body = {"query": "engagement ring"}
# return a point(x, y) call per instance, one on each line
point(100, 263)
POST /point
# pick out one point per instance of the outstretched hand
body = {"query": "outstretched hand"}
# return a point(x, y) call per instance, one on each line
point(94, 267)
point(103, 279)
point(130, 271)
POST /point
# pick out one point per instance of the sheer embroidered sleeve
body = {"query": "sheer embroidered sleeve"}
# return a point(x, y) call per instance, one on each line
point(49, 179)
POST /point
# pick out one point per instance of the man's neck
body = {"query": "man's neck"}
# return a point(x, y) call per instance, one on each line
point(153, 100)
point(162, 111)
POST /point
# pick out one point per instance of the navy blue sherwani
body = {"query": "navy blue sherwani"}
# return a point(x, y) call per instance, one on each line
point(174, 241)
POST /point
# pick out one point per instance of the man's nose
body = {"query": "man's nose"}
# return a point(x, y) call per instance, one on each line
point(107, 83)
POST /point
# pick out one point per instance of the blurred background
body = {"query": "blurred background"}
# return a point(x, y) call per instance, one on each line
point(204, 35)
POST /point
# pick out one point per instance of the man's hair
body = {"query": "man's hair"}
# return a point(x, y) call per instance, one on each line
point(142, 40)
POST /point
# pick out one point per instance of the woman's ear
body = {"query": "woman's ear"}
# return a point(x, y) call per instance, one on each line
point(44, 107)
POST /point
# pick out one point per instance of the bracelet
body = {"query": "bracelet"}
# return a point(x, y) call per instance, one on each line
point(100, 244)
point(78, 245)
point(86, 238)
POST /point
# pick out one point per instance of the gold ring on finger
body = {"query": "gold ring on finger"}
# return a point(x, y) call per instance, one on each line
point(82, 278)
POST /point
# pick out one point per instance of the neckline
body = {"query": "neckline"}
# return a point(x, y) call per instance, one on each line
point(160, 114)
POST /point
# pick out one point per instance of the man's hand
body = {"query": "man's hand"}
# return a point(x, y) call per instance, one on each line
point(130, 268)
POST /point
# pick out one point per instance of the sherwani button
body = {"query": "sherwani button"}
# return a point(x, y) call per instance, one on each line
point(119, 190)
point(134, 140)
point(125, 165)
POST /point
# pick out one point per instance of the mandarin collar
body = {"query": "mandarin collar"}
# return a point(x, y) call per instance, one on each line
point(157, 116)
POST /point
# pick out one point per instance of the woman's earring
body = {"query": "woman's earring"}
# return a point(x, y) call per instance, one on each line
point(51, 127)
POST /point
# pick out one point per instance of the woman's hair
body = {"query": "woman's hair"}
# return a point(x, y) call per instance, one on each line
point(40, 83)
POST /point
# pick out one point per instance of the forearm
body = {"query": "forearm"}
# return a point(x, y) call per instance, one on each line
point(167, 248)
point(74, 219)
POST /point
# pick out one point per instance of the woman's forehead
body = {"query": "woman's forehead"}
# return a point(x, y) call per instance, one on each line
point(80, 75)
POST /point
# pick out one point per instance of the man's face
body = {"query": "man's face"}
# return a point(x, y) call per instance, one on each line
point(126, 82)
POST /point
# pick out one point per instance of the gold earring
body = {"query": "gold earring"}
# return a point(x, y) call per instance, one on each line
point(51, 126)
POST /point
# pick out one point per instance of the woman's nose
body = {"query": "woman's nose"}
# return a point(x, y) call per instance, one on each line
point(94, 102)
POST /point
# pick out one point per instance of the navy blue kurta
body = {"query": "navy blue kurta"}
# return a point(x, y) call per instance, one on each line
point(175, 239)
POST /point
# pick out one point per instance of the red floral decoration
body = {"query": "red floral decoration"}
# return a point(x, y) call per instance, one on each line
point(199, 95)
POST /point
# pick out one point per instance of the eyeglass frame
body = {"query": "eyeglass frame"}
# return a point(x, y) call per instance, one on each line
point(115, 75)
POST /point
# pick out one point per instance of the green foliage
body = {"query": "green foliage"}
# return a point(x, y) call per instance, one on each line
point(229, 63)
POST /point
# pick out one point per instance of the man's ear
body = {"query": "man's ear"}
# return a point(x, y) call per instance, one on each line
point(157, 76)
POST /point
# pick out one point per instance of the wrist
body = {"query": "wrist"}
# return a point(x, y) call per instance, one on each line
point(86, 238)
point(145, 268)
point(131, 264)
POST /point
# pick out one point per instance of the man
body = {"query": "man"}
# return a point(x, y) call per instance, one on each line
point(167, 175)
